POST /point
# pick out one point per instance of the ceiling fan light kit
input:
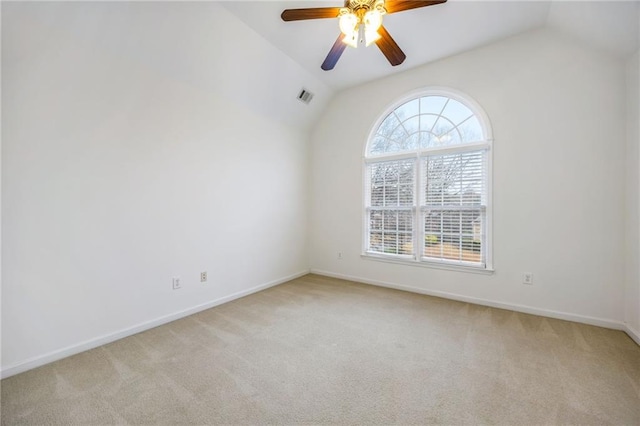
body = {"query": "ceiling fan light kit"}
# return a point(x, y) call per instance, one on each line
point(360, 21)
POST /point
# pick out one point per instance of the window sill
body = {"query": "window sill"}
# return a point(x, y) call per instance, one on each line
point(427, 264)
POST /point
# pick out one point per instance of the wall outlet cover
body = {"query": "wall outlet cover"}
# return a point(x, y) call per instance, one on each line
point(176, 283)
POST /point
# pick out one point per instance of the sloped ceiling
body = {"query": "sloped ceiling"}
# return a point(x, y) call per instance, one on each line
point(435, 32)
point(186, 42)
point(610, 25)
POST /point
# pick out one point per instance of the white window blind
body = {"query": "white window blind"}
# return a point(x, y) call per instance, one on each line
point(391, 186)
point(454, 208)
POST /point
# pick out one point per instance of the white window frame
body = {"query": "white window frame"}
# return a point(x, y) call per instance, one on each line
point(418, 228)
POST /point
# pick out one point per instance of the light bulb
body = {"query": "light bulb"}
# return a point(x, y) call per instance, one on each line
point(351, 39)
point(372, 20)
point(349, 27)
point(370, 36)
point(348, 23)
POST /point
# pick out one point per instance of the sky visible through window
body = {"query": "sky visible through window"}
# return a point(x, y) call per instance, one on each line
point(427, 122)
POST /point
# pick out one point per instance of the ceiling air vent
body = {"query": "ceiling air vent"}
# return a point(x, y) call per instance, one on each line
point(305, 96)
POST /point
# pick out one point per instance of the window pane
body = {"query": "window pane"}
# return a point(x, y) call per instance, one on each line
point(425, 139)
point(411, 143)
point(377, 195)
point(390, 221)
point(406, 244)
point(375, 220)
point(412, 125)
point(442, 132)
point(454, 179)
point(454, 235)
point(399, 135)
point(405, 222)
point(405, 195)
point(451, 223)
point(390, 194)
point(471, 130)
point(388, 125)
point(432, 104)
point(442, 179)
point(392, 183)
point(375, 242)
point(472, 178)
point(456, 112)
point(427, 121)
point(454, 193)
point(380, 145)
point(433, 223)
point(391, 231)
point(451, 137)
point(408, 109)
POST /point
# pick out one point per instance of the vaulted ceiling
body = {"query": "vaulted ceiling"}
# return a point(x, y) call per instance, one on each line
point(431, 33)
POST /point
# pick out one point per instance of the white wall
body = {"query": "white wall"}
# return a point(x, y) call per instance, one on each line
point(140, 142)
point(558, 116)
point(138, 145)
point(632, 281)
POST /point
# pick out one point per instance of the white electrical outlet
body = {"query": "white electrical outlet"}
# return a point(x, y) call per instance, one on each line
point(176, 283)
point(527, 278)
point(203, 276)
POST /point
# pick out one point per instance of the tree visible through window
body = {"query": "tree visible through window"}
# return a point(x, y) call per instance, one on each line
point(426, 188)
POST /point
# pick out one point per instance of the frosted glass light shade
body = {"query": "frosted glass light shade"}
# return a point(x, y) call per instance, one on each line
point(348, 23)
point(351, 39)
point(370, 36)
point(372, 20)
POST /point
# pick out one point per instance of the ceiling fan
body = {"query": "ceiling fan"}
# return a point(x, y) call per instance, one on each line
point(360, 22)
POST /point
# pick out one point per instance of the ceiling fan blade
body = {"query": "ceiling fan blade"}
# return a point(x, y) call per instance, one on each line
point(393, 6)
point(389, 47)
point(310, 13)
point(334, 54)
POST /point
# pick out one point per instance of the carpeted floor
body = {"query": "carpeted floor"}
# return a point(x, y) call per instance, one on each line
point(319, 350)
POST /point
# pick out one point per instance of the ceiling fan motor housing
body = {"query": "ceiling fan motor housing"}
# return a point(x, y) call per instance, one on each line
point(355, 5)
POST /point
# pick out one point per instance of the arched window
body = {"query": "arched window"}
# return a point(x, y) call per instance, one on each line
point(427, 185)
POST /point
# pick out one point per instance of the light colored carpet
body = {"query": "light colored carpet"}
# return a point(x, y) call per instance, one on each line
point(319, 350)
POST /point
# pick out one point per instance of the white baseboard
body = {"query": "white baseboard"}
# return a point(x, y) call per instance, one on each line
point(634, 334)
point(40, 360)
point(616, 325)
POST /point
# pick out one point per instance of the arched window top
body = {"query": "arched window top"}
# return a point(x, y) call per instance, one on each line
point(431, 120)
